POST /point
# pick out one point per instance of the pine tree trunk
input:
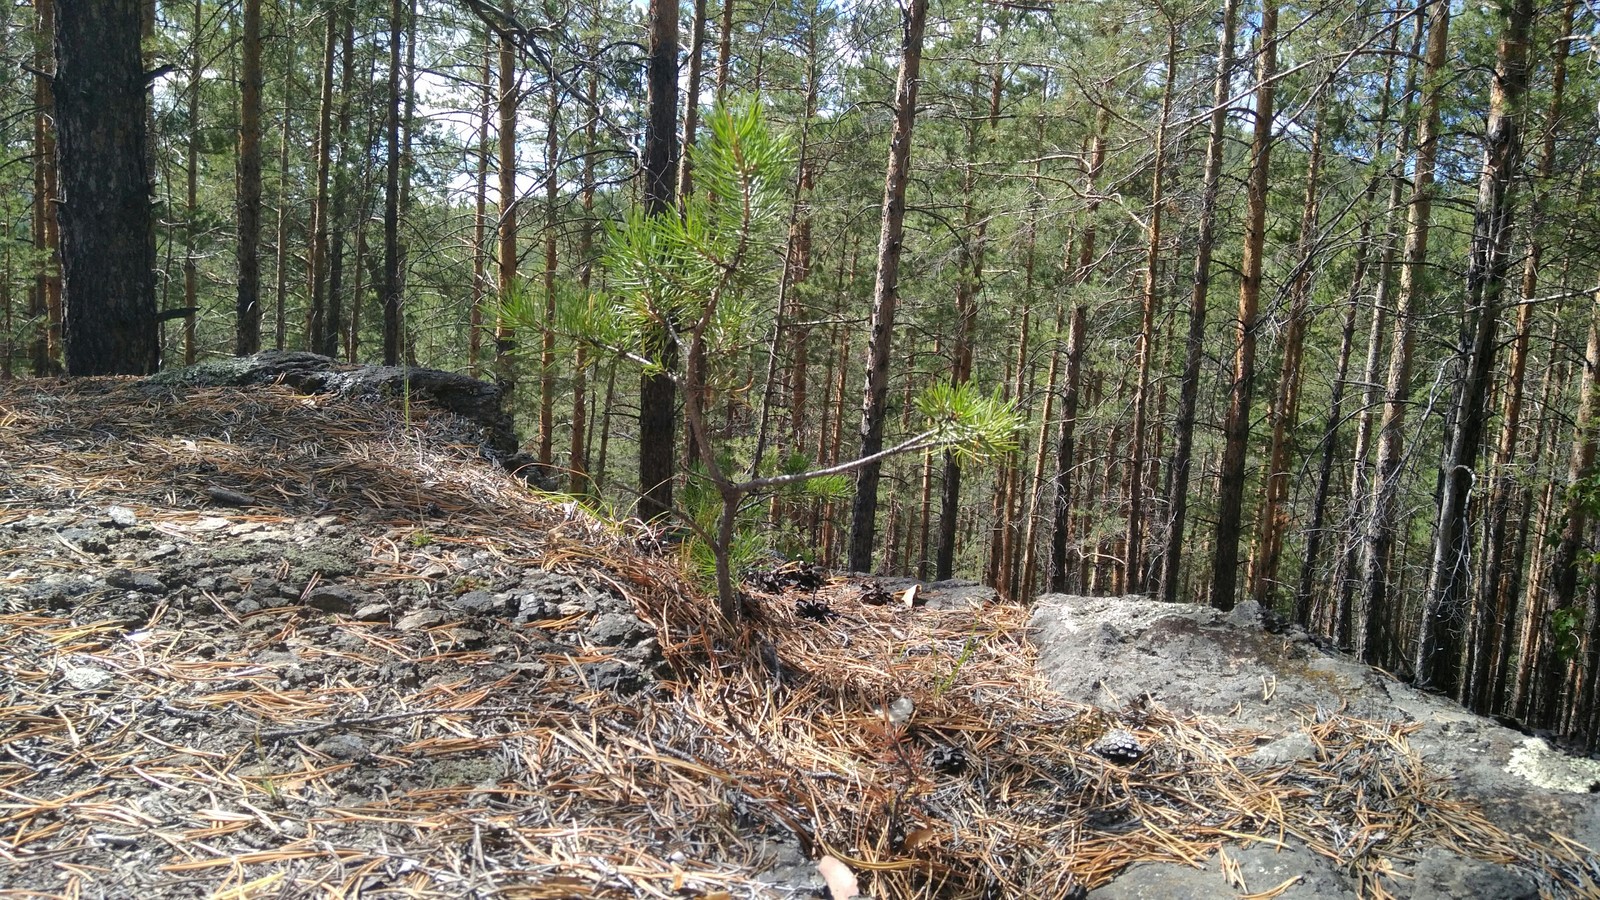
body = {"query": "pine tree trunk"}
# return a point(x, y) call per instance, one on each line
point(1378, 546)
point(691, 103)
point(480, 224)
point(886, 287)
point(505, 338)
point(1496, 606)
point(1284, 414)
point(578, 460)
point(1550, 668)
point(1195, 343)
point(547, 348)
point(247, 304)
point(391, 194)
point(280, 292)
point(45, 303)
point(1066, 463)
point(317, 268)
point(107, 236)
point(1147, 324)
point(658, 395)
point(1236, 428)
point(191, 161)
point(1444, 618)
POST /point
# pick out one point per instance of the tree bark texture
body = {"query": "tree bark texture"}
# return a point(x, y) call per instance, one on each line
point(886, 287)
point(107, 237)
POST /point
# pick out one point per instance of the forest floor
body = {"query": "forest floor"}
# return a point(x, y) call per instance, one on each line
point(260, 644)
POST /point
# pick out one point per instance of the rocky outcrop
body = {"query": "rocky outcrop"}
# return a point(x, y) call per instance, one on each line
point(478, 402)
point(1232, 667)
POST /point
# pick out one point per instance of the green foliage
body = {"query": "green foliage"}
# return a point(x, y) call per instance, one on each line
point(674, 271)
point(974, 425)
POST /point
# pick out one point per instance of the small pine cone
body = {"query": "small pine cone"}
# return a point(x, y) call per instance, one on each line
point(1119, 746)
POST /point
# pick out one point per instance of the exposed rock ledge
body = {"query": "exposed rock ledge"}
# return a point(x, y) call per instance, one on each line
point(479, 402)
point(1112, 650)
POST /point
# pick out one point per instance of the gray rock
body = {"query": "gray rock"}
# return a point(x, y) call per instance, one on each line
point(86, 539)
point(1442, 875)
point(420, 619)
point(135, 581)
point(372, 612)
point(344, 746)
point(334, 598)
point(1194, 659)
point(615, 629)
point(85, 678)
point(121, 516)
point(1292, 747)
point(1264, 867)
point(477, 603)
point(1246, 615)
point(959, 595)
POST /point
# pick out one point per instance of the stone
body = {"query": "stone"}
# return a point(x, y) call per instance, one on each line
point(121, 516)
point(344, 746)
point(1443, 875)
point(1301, 873)
point(334, 598)
point(86, 539)
point(84, 678)
point(129, 580)
point(614, 629)
point(372, 612)
point(477, 603)
point(1292, 747)
point(420, 619)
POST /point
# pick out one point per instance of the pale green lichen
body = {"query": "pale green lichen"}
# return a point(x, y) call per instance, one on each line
point(1553, 770)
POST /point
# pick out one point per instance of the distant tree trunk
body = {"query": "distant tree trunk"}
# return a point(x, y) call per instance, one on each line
point(1284, 414)
point(280, 322)
point(1205, 242)
point(578, 461)
point(1066, 462)
point(1346, 576)
point(247, 306)
point(886, 286)
point(1444, 616)
point(480, 223)
point(691, 104)
point(969, 269)
point(391, 194)
point(724, 49)
point(505, 338)
point(547, 349)
point(1496, 608)
point(45, 304)
point(1236, 428)
point(1551, 666)
point(658, 395)
point(1147, 324)
point(107, 249)
point(1379, 544)
point(339, 208)
point(317, 270)
point(191, 210)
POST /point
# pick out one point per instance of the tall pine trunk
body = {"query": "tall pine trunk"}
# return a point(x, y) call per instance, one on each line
point(1378, 545)
point(107, 230)
point(1444, 615)
point(247, 302)
point(1194, 345)
point(658, 395)
point(886, 287)
point(1236, 428)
